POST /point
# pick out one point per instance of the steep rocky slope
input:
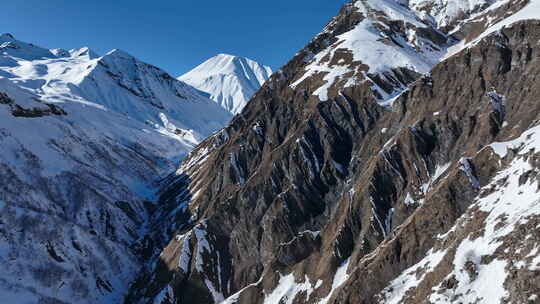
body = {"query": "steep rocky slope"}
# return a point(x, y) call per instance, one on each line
point(392, 160)
point(230, 80)
point(82, 140)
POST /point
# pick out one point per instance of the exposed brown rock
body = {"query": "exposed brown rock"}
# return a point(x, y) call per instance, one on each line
point(296, 185)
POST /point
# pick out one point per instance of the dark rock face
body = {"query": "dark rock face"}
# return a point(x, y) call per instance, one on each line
point(457, 98)
point(345, 195)
point(19, 111)
point(51, 109)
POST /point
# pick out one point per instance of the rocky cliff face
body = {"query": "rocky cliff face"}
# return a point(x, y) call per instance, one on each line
point(404, 178)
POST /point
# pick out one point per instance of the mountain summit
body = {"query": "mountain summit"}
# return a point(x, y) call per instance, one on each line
point(230, 80)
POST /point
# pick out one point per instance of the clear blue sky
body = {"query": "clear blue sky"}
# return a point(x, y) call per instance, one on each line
point(176, 35)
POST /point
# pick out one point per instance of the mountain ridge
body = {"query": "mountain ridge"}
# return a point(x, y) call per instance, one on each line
point(310, 197)
point(85, 140)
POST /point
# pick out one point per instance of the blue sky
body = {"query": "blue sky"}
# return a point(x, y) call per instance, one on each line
point(175, 35)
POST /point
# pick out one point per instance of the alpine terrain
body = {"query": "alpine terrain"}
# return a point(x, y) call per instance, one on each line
point(229, 80)
point(394, 159)
point(83, 140)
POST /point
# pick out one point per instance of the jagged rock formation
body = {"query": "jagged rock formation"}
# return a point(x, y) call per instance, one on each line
point(349, 178)
point(231, 81)
point(83, 138)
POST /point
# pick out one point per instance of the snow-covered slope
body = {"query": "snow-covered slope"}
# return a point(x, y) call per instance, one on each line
point(391, 42)
point(385, 47)
point(475, 267)
point(444, 13)
point(116, 82)
point(82, 140)
point(230, 80)
point(530, 11)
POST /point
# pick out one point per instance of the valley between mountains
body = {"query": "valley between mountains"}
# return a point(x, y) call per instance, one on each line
point(393, 159)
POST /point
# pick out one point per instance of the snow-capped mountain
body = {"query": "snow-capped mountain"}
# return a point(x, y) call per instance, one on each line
point(392, 160)
point(387, 47)
point(115, 82)
point(229, 80)
point(83, 139)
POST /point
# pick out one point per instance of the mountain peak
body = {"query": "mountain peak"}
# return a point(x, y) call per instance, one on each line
point(84, 51)
point(227, 64)
point(230, 80)
point(59, 52)
point(7, 37)
point(118, 53)
point(22, 50)
point(223, 55)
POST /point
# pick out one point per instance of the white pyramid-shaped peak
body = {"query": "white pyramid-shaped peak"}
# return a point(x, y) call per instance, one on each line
point(229, 80)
